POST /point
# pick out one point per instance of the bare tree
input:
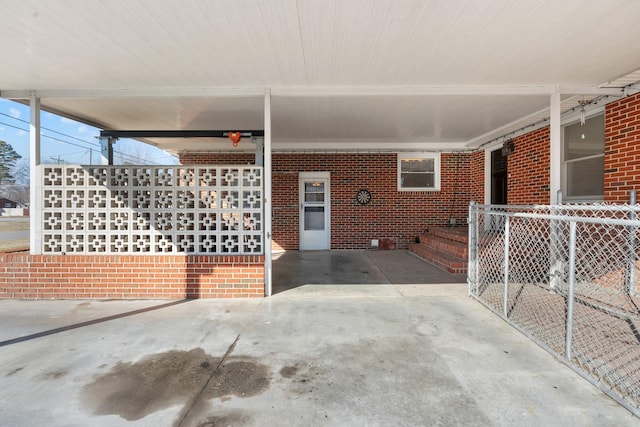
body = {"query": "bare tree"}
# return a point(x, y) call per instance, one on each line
point(137, 153)
point(20, 172)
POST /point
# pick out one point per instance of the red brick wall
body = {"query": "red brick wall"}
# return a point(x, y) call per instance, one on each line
point(622, 149)
point(477, 177)
point(207, 158)
point(24, 276)
point(529, 169)
point(529, 164)
point(401, 215)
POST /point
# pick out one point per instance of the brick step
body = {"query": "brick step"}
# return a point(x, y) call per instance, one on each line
point(449, 247)
point(449, 263)
point(457, 234)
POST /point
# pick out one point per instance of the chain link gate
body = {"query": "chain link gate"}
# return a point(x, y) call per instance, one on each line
point(567, 277)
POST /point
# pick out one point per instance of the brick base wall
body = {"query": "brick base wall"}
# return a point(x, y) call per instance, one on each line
point(24, 276)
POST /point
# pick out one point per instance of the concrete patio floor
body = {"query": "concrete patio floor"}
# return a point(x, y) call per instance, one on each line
point(314, 355)
point(293, 268)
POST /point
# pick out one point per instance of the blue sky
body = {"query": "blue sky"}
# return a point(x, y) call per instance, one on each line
point(68, 141)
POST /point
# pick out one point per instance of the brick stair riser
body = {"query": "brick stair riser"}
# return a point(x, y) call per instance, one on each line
point(458, 266)
point(449, 235)
point(446, 246)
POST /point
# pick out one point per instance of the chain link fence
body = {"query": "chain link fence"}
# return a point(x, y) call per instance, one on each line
point(567, 277)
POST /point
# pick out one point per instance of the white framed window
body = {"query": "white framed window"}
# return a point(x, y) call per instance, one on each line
point(419, 172)
point(583, 160)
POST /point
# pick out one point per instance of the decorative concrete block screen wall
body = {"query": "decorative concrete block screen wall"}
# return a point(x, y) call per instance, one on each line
point(143, 232)
point(152, 210)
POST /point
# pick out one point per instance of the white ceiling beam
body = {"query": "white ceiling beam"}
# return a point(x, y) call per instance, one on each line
point(208, 92)
point(310, 91)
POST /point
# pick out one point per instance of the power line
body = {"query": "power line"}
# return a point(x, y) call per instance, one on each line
point(122, 155)
point(49, 129)
point(12, 126)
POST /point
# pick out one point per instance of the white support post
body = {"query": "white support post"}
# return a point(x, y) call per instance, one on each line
point(556, 272)
point(555, 158)
point(267, 193)
point(35, 202)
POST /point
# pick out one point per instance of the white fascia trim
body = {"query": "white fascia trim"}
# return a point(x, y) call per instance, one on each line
point(311, 91)
point(332, 147)
point(337, 91)
point(333, 91)
point(590, 90)
point(346, 146)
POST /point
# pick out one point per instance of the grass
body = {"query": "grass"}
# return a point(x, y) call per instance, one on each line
point(14, 226)
point(14, 245)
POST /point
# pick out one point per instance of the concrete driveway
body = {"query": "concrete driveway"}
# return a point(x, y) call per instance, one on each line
point(316, 355)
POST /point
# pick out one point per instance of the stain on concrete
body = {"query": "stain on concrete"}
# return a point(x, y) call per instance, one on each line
point(288, 371)
point(158, 381)
point(230, 419)
point(238, 376)
point(303, 378)
point(15, 371)
point(53, 375)
point(81, 306)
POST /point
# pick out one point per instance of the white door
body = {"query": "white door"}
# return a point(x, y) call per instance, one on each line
point(314, 211)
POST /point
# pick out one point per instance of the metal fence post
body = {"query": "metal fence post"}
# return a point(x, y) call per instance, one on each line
point(506, 267)
point(630, 276)
point(572, 278)
point(472, 277)
point(555, 260)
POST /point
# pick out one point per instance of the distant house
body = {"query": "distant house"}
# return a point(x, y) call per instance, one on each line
point(8, 204)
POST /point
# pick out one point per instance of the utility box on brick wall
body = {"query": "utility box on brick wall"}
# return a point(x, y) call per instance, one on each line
point(387, 244)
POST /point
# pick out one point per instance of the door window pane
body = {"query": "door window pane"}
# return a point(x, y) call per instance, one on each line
point(314, 218)
point(314, 192)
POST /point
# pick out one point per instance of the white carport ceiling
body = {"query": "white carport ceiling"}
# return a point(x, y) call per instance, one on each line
point(395, 74)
